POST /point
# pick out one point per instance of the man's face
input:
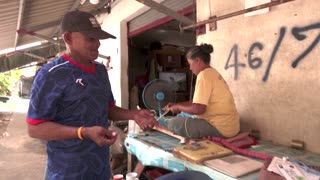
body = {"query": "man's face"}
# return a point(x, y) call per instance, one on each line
point(85, 47)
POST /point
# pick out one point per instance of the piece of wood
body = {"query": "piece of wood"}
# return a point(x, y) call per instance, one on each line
point(200, 151)
point(129, 163)
point(168, 132)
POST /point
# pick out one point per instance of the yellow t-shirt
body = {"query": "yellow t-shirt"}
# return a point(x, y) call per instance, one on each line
point(213, 91)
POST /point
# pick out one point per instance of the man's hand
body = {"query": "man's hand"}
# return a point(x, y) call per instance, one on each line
point(100, 135)
point(145, 119)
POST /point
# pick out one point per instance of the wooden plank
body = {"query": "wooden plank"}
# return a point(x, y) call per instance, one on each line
point(167, 132)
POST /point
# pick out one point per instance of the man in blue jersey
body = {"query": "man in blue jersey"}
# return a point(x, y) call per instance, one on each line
point(71, 103)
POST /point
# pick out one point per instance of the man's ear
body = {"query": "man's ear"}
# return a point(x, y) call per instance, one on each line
point(67, 37)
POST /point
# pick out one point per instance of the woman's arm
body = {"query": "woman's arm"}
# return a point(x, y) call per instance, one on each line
point(187, 106)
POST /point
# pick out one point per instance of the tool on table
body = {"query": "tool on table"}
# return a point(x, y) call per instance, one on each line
point(164, 130)
point(156, 94)
point(166, 112)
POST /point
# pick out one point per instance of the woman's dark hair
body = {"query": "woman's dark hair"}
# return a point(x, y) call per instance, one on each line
point(202, 52)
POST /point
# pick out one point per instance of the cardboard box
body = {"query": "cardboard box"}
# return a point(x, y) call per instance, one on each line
point(173, 61)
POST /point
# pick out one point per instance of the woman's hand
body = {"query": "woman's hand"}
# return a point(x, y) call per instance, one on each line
point(100, 135)
point(173, 107)
point(145, 119)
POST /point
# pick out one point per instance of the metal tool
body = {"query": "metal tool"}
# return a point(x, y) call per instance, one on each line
point(166, 112)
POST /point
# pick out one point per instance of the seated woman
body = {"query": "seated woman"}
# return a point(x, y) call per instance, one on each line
point(212, 111)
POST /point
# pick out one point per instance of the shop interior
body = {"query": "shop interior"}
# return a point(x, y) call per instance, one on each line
point(159, 53)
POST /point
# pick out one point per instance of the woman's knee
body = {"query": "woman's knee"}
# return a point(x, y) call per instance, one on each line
point(177, 126)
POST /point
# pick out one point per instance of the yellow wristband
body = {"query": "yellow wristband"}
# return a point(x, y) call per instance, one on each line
point(79, 133)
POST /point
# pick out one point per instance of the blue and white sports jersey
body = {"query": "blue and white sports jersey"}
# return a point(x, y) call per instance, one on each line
point(69, 94)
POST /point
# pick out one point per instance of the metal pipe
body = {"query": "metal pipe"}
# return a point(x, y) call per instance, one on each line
point(34, 56)
point(23, 31)
point(21, 10)
point(26, 53)
point(262, 6)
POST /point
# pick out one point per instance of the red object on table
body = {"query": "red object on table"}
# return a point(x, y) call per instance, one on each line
point(118, 177)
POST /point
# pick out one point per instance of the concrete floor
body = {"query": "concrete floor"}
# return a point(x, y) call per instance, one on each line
point(21, 157)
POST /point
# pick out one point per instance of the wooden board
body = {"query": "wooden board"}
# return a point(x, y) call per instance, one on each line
point(200, 151)
point(168, 132)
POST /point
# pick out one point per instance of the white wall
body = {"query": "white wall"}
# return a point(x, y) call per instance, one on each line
point(282, 103)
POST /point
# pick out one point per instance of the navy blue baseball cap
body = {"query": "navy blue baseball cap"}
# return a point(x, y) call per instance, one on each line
point(85, 23)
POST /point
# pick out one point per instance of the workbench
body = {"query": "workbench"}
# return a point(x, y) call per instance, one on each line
point(155, 150)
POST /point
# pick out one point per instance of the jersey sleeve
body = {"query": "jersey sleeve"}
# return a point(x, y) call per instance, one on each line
point(111, 100)
point(45, 94)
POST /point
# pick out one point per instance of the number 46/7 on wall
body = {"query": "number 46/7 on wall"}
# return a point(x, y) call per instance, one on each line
point(256, 62)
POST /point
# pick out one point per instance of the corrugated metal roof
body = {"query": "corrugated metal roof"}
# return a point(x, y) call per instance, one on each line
point(38, 16)
point(152, 14)
point(8, 23)
point(43, 17)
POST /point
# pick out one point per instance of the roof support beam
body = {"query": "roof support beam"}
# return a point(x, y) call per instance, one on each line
point(237, 13)
point(21, 10)
point(34, 56)
point(167, 11)
point(22, 31)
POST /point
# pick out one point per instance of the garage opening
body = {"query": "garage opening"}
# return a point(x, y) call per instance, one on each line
point(157, 51)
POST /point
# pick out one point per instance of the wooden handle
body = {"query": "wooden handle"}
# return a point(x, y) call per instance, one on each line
point(167, 132)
